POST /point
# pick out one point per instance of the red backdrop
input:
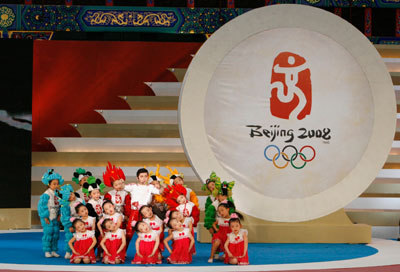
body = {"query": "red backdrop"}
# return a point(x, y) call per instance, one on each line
point(73, 78)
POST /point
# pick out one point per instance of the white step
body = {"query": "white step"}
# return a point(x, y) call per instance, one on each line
point(392, 64)
point(79, 144)
point(130, 172)
point(397, 91)
point(398, 120)
point(395, 146)
point(388, 176)
point(139, 116)
point(375, 204)
point(173, 88)
point(165, 88)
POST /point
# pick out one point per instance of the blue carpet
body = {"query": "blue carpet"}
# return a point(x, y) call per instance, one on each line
point(26, 248)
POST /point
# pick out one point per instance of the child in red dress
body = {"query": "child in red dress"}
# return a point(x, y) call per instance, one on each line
point(237, 243)
point(187, 222)
point(82, 244)
point(113, 243)
point(220, 235)
point(83, 213)
point(154, 222)
point(183, 243)
point(147, 243)
point(109, 213)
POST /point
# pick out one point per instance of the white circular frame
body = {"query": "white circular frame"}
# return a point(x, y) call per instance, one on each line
point(205, 62)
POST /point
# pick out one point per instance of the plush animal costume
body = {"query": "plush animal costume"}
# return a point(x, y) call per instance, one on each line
point(48, 207)
point(65, 193)
point(225, 189)
point(212, 196)
point(190, 194)
point(94, 206)
point(80, 174)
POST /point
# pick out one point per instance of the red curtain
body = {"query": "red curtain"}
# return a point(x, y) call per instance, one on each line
point(73, 78)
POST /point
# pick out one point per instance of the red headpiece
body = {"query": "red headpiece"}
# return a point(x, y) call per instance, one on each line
point(171, 193)
point(112, 174)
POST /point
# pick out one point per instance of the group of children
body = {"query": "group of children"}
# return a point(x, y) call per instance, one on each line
point(101, 227)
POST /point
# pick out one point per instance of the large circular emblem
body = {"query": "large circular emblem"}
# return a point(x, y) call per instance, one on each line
point(295, 105)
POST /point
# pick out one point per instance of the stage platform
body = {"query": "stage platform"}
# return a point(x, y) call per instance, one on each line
point(21, 250)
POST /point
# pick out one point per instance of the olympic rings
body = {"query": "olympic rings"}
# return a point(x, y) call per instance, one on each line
point(292, 157)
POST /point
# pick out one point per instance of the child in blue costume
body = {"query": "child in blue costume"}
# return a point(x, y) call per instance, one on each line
point(48, 209)
point(65, 194)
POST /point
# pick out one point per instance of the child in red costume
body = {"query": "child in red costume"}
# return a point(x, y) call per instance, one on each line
point(113, 243)
point(154, 222)
point(175, 198)
point(82, 244)
point(115, 177)
point(147, 245)
point(109, 213)
point(187, 222)
point(83, 213)
point(176, 178)
point(183, 243)
point(236, 244)
point(221, 228)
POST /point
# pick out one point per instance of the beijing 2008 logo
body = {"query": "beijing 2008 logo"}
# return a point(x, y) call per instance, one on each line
point(290, 98)
point(290, 89)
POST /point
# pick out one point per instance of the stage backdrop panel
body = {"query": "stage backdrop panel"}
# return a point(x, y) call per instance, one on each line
point(295, 105)
point(73, 78)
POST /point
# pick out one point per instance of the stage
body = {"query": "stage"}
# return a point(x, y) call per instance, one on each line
point(21, 250)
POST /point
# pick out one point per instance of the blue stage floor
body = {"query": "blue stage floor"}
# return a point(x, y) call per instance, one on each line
point(26, 248)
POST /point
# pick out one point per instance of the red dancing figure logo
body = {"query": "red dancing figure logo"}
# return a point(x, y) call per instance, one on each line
point(56, 203)
point(98, 209)
point(118, 199)
point(186, 213)
point(290, 90)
